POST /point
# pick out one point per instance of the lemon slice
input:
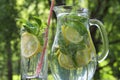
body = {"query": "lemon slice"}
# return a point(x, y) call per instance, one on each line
point(29, 45)
point(83, 57)
point(63, 33)
point(65, 61)
point(57, 52)
point(72, 35)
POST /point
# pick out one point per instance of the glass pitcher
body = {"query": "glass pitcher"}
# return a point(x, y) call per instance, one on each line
point(73, 55)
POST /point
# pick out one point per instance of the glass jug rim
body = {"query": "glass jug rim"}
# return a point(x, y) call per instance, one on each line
point(82, 10)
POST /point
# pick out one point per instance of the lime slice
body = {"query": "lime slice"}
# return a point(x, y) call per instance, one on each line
point(72, 35)
point(30, 45)
point(83, 57)
point(65, 61)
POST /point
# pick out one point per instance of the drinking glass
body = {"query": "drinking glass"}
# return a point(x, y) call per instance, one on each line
point(31, 54)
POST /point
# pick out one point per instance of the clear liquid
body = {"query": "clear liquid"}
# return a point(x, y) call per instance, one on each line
point(73, 56)
point(28, 68)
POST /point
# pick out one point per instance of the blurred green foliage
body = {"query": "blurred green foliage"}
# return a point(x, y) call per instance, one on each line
point(108, 11)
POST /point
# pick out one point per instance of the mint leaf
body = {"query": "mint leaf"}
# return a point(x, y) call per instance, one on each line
point(32, 28)
point(38, 21)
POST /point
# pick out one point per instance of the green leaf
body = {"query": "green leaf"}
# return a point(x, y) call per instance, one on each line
point(32, 28)
point(38, 21)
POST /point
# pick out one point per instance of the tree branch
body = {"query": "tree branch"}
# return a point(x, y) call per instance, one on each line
point(105, 10)
point(115, 41)
point(94, 13)
point(111, 42)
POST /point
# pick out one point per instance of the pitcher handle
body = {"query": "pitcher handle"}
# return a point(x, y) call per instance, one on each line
point(103, 33)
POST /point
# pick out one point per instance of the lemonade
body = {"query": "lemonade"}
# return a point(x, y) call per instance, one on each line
point(31, 50)
point(72, 49)
point(73, 56)
point(73, 41)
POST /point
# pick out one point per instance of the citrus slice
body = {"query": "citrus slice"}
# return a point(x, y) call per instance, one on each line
point(65, 61)
point(83, 57)
point(63, 33)
point(30, 45)
point(72, 35)
point(57, 52)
